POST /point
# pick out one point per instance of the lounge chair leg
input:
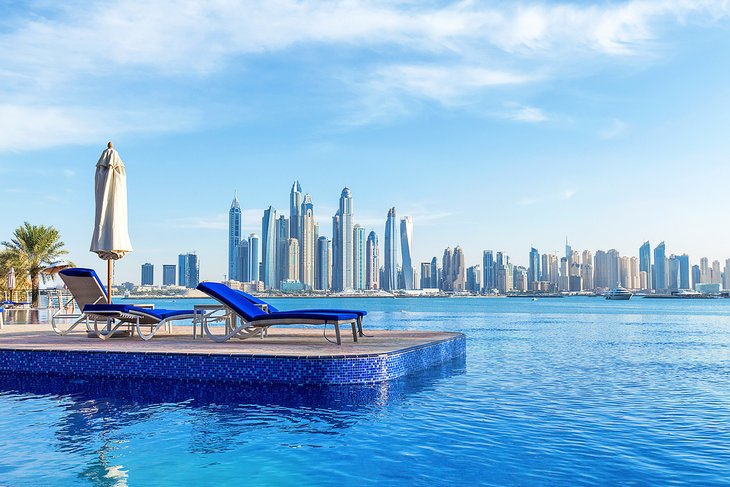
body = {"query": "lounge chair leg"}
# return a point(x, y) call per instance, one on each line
point(337, 334)
point(354, 331)
point(359, 326)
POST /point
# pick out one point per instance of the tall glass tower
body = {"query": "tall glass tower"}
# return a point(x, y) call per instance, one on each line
point(489, 281)
point(322, 270)
point(660, 267)
point(253, 256)
point(645, 263)
point(344, 262)
point(268, 248)
point(372, 265)
point(234, 237)
point(406, 244)
point(358, 257)
point(390, 279)
point(307, 243)
point(282, 261)
point(533, 270)
point(295, 209)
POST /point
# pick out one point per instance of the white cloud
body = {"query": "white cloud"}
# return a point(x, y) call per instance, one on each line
point(567, 194)
point(527, 114)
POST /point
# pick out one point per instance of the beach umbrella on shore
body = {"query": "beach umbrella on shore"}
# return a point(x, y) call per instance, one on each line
point(111, 234)
point(56, 267)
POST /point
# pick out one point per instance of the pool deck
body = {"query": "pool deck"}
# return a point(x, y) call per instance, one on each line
point(286, 355)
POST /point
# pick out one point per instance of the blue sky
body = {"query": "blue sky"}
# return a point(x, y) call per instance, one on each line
point(494, 124)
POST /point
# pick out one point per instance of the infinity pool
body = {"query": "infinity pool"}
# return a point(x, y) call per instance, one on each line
point(555, 391)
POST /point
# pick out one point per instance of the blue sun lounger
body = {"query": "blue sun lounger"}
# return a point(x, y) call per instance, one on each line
point(254, 321)
point(90, 296)
point(270, 308)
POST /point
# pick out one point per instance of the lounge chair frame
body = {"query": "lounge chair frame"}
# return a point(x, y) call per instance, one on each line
point(134, 320)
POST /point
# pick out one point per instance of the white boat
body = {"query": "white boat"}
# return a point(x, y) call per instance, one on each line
point(619, 294)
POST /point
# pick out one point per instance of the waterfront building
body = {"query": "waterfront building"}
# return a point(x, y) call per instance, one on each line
point(504, 278)
point(685, 272)
point(390, 282)
point(519, 278)
point(168, 274)
point(358, 257)
point(234, 238)
point(268, 249)
point(295, 210)
point(282, 238)
point(564, 281)
point(574, 264)
point(489, 281)
point(148, 274)
point(406, 242)
point(533, 270)
point(673, 273)
point(243, 264)
point(696, 275)
point(600, 263)
point(587, 270)
point(726, 275)
point(645, 263)
point(716, 274)
point(292, 273)
point(447, 277)
point(435, 273)
point(643, 283)
point(458, 270)
point(344, 255)
point(634, 273)
point(188, 270)
point(254, 259)
point(425, 275)
point(705, 271)
point(372, 262)
point(336, 254)
point(660, 268)
point(568, 254)
point(307, 243)
point(473, 277)
point(322, 264)
point(575, 284)
point(625, 272)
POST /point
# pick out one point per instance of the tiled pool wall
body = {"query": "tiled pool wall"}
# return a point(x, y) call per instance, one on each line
point(349, 369)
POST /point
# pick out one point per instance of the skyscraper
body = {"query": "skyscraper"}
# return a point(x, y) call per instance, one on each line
point(473, 279)
point(716, 273)
point(660, 268)
point(282, 237)
point(322, 270)
point(307, 243)
point(488, 280)
point(726, 275)
point(168, 274)
point(243, 264)
point(293, 260)
point(372, 262)
point(673, 273)
point(705, 271)
point(587, 270)
point(568, 254)
point(434, 273)
point(336, 254)
point(358, 256)
point(344, 262)
point(645, 263)
point(447, 270)
point(390, 282)
point(406, 241)
point(268, 248)
point(234, 238)
point(425, 275)
point(685, 272)
point(533, 269)
point(253, 258)
point(148, 273)
point(295, 209)
point(188, 270)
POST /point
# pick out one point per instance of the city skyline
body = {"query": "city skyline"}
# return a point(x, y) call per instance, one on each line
point(506, 125)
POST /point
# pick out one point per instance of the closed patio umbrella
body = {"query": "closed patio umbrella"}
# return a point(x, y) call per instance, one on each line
point(111, 235)
point(11, 282)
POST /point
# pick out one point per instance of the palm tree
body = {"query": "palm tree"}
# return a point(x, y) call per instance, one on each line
point(34, 247)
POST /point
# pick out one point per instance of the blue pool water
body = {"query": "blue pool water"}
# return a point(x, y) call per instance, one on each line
point(552, 392)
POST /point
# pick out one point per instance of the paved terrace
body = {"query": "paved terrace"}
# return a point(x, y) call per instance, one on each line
point(281, 341)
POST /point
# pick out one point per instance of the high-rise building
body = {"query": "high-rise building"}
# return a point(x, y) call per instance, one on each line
point(293, 260)
point(564, 279)
point(489, 281)
point(685, 272)
point(645, 263)
point(660, 268)
point(168, 274)
point(322, 268)
point(295, 209)
point(253, 258)
point(358, 257)
point(533, 270)
point(268, 248)
point(148, 274)
point(372, 262)
point(282, 238)
point(726, 275)
point(188, 270)
point(705, 271)
point(568, 254)
point(434, 273)
point(336, 251)
point(425, 275)
point(390, 282)
point(406, 245)
point(673, 273)
point(473, 278)
point(634, 279)
point(587, 270)
point(716, 274)
point(447, 272)
point(307, 243)
point(243, 264)
point(696, 275)
point(519, 278)
point(234, 238)
point(454, 271)
point(624, 271)
point(342, 279)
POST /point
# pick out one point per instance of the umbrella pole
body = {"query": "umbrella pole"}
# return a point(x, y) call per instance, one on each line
point(109, 280)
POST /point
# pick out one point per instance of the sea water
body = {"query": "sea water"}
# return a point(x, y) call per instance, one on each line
point(552, 392)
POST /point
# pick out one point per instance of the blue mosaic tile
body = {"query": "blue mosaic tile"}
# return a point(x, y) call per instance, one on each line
point(348, 369)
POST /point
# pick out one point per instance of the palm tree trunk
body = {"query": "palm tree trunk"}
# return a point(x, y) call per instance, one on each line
point(34, 287)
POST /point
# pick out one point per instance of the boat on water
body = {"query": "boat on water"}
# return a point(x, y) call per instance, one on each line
point(619, 294)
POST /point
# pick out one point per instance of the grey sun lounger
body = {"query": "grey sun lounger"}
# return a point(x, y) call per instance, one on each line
point(90, 296)
point(254, 321)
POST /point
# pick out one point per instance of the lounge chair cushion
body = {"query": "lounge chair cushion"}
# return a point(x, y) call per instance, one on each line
point(273, 309)
point(231, 298)
point(300, 314)
point(83, 272)
point(160, 314)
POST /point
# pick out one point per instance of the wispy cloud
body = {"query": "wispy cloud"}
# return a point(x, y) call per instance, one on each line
point(567, 194)
point(59, 65)
point(527, 114)
point(614, 130)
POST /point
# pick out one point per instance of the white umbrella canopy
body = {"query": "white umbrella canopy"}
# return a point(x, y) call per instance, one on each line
point(111, 233)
